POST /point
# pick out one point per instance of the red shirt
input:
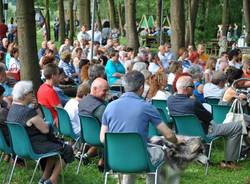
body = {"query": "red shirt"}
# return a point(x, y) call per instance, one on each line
point(48, 97)
point(3, 30)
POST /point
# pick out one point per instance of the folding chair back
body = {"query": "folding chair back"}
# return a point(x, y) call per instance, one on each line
point(3, 144)
point(212, 101)
point(219, 112)
point(161, 106)
point(47, 115)
point(64, 123)
point(20, 141)
point(126, 153)
point(90, 130)
point(189, 125)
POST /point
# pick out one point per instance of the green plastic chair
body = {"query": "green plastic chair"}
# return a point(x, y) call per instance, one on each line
point(64, 123)
point(161, 106)
point(90, 134)
point(22, 147)
point(47, 115)
point(152, 131)
point(190, 125)
point(4, 148)
point(219, 113)
point(212, 101)
point(127, 153)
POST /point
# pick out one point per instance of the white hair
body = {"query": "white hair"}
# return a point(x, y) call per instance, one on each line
point(21, 89)
point(183, 82)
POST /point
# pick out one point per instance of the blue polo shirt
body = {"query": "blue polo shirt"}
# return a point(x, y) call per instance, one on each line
point(130, 113)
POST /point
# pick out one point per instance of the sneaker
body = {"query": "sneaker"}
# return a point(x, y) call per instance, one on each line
point(41, 181)
point(48, 181)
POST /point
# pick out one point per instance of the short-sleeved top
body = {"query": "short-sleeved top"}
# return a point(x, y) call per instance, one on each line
point(111, 68)
point(47, 96)
point(21, 114)
point(130, 113)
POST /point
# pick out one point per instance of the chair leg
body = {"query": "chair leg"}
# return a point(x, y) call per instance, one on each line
point(1, 158)
point(156, 177)
point(241, 142)
point(12, 171)
point(80, 162)
point(60, 159)
point(106, 178)
point(37, 164)
point(209, 155)
point(119, 178)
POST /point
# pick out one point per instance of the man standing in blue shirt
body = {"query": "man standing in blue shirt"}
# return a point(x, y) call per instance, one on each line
point(130, 113)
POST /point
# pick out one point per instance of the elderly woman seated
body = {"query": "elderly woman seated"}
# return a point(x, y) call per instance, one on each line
point(39, 132)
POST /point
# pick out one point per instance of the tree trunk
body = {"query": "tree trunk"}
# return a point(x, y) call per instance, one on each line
point(61, 21)
point(119, 8)
point(247, 19)
point(158, 18)
point(193, 10)
point(71, 20)
point(225, 17)
point(47, 21)
point(1, 11)
point(25, 15)
point(84, 8)
point(177, 14)
point(112, 13)
point(98, 17)
point(131, 31)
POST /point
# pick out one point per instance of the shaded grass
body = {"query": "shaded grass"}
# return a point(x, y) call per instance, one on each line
point(194, 174)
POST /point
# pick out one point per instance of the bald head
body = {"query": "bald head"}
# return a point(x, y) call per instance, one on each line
point(184, 85)
point(99, 88)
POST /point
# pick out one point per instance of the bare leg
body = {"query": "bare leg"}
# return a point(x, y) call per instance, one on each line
point(56, 171)
point(50, 163)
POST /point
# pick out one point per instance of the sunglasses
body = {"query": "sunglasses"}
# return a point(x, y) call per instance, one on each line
point(190, 86)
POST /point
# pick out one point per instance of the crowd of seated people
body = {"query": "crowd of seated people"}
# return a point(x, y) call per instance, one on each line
point(81, 86)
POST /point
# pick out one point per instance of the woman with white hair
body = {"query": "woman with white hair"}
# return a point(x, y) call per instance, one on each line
point(40, 133)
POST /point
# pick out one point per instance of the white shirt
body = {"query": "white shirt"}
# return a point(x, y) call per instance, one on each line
point(213, 91)
point(72, 109)
point(153, 68)
point(161, 95)
point(83, 36)
point(97, 36)
point(171, 77)
point(14, 64)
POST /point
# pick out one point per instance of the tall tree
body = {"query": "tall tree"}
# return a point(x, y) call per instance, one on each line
point(120, 13)
point(98, 17)
point(158, 17)
point(47, 21)
point(1, 10)
point(112, 13)
point(246, 6)
point(191, 21)
point(225, 17)
point(71, 20)
point(25, 15)
point(177, 14)
point(131, 31)
point(61, 21)
point(84, 14)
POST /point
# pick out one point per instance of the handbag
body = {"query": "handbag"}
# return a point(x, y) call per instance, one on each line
point(236, 115)
point(13, 73)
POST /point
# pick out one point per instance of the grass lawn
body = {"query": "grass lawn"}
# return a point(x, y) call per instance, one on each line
point(194, 174)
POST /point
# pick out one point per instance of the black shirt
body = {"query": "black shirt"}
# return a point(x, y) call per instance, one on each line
point(181, 104)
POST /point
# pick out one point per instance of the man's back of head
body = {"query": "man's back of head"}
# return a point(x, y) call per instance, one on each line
point(50, 70)
point(218, 77)
point(133, 81)
point(184, 85)
point(99, 88)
